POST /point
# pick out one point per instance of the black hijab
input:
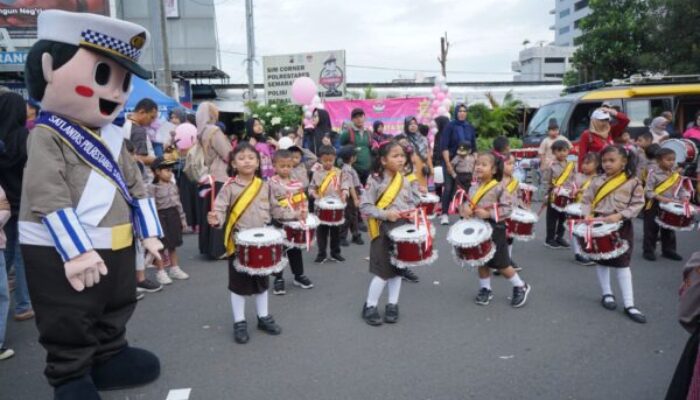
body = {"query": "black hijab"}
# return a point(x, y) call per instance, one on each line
point(323, 129)
point(250, 133)
point(13, 146)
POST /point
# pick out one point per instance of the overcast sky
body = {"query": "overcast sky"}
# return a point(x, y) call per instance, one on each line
point(400, 35)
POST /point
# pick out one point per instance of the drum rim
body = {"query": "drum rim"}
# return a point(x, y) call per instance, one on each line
point(472, 264)
point(579, 226)
point(524, 212)
point(670, 143)
point(669, 207)
point(403, 264)
point(431, 197)
point(454, 228)
point(281, 265)
point(322, 203)
point(313, 224)
point(269, 241)
point(420, 235)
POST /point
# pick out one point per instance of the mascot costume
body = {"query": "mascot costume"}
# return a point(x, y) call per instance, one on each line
point(84, 204)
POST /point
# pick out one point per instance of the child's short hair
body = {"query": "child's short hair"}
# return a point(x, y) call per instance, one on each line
point(646, 136)
point(346, 153)
point(281, 155)
point(560, 145)
point(651, 151)
point(326, 150)
point(663, 152)
point(400, 137)
point(501, 144)
point(146, 105)
point(592, 157)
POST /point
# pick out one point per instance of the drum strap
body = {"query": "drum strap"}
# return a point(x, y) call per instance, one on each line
point(564, 175)
point(385, 201)
point(664, 186)
point(239, 206)
point(608, 187)
point(583, 188)
point(331, 177)
point(513, 185)
point(411, 177)
point(483, 189)
point(292, 201)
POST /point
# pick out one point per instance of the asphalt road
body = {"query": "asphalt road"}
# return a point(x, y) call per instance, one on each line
point(561, 345)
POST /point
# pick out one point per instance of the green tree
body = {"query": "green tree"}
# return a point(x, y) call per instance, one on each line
point(496, 118)
point(275, 115)
point(618, 40)
point(678, 39)
point(370, 93)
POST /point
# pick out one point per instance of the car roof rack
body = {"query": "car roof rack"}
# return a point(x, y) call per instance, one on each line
point(634, 80)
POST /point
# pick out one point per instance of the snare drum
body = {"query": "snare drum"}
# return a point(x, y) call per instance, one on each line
point(673, 216)
point(296, 233)
point(428, 201)
point(471, 242)
point(528, 152)
point(526, 191)
point(259, 251)
point(606, 242)
point(685, 149)
point(574, 210)
point(410, 246)
point(330, 211)
point(521, 224)
point(562, 198)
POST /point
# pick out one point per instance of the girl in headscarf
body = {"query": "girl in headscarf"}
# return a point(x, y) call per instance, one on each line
point(658, 129)
point(322, 133)
point(255, 133)
point(421, 155)
point(378, 136)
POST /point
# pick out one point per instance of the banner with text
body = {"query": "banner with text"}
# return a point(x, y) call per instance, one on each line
point(391, 112)
point(326, 68)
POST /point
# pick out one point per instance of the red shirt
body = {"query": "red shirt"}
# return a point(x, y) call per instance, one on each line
point(590, 142)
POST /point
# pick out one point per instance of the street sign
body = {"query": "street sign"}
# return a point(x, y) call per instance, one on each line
point(326, 68)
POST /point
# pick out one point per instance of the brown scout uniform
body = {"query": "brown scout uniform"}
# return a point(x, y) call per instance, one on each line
point(553, 172)
point(170, 211)
point(497, 195)
point(317, 179)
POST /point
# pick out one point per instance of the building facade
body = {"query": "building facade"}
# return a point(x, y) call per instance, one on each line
point(567, 17)
point(542, 63)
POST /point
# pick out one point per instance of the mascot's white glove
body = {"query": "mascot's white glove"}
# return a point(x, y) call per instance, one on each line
point(153, 247)
point(85, 270)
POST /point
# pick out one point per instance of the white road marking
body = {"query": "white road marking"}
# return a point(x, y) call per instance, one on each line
point(179, 394)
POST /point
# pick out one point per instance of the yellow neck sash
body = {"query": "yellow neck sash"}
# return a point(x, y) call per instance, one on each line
point(385, 201)
point(582, 189)
point(326, 182)
point(481, 191)
point(608, 187)
point(513, 185)
point(664, 186)
point(296, 199)
point(564, 175)
point(245, 199)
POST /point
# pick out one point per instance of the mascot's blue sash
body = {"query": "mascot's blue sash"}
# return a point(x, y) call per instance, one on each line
point(89, 147)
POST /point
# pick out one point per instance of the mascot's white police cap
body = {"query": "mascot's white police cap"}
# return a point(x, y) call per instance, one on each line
point(121, 41)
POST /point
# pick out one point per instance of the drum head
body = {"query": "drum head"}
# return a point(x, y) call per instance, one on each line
point(527, 187)
point(330, 203)
point(563, 192)
point(678, 147)
point(598, 229)
point(574, 209)
point(521, 215)
point(408, 233)
point(312, 222)
point(429, 198)
point(675, 208)
point(469, 233)
point(259, 236)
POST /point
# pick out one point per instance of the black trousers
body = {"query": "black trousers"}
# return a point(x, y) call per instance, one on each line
point(296, 262)
point(211, 239)
point(78, 329)
point(555, 223)
point(680, 383)
point(322, 234)
point(352, 217)
point(652, 230)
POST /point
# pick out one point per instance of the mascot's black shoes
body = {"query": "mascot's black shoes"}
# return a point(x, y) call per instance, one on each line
point(77, 389)
point(131, 367)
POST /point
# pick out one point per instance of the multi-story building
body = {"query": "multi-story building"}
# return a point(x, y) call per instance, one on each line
point(567, 17)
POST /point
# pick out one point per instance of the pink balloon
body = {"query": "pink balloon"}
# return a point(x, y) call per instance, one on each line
point(436, 103)
point(303, 90)
point(436, 90)
point(185, 134)
point(440, 96)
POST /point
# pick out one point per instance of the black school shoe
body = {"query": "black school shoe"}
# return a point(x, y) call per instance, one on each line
point(240, 332)
point(391, 313)
point(649, 256)
point(320, 258)
point(672, 255)
point(278, 286)
point(636, 316)
point(563, 243)
point(520, 295)
point(82, 388)
point(357, 239)
point(608, 302)
point(552, 244)
point(129, 368)
point(583, 260)
point(303, 282)
point(371, 315)
point(337, 258)
point(408, 275)
point(268, 325)
point(483, 298)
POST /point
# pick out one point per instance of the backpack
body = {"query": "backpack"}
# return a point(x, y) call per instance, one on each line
point(195, 161)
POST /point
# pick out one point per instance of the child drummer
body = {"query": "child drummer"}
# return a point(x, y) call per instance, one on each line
point(490, 200)
point(463, 165)
point(512, 186)
point(582, 180)
point(292, 205)
point(557, 176)
point(388, 194)
point(663, 185)
point(244, 203)
point(328, 182)
point(614, 197)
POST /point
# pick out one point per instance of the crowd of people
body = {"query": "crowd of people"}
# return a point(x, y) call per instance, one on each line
point(378, 178)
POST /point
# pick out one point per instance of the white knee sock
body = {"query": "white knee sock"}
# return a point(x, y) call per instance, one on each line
point(238, 306)
point(510, 250)
point(624, 279)
point(516, 281)
point(261, 304)
point(394, 289)
point(375, 290)
point(576, 247)
point(485, 283)
point(604, 279)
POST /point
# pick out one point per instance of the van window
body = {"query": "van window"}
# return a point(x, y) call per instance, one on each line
point(581, 118)
point(540, 121)
point(642, 111)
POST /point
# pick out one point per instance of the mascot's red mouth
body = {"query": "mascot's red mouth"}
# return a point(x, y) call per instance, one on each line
point(107, 107)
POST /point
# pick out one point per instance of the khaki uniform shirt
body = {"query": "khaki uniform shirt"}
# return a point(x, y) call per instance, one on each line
point(317, 179)
point(464, 164)
point(498, 195)
point(404, 201)
point(627, 200)
point(279, 191)
point(655, 178)
point(258, 213)
point(167, 196)
point(553, 172)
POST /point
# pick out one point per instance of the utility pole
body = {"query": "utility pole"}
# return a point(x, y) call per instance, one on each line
point(250, 34)
point(444, 46)
point(168, 76)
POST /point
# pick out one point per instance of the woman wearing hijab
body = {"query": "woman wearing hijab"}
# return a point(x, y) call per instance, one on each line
point(322, 132)
point(216, 149)
point(422, 162)
point(693, 131)
point(606, 125)
point(187, 188)
point(441, 123)
point(378, 136)
point(13, 157)
point(255, 132)
point(658, 129)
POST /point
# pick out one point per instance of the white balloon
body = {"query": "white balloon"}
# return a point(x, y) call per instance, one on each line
point(431, 97)
point(306, 107)
point(321, 106)
point(441, 110)
point(446, 103)
point(433, 124)
point(433, 131)
point(446, 114)
point(444, 88)
point(307, 114)
point(316, 100)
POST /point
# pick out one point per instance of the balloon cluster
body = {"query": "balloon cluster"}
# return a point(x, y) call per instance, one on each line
point(440, 103)
point(305, 94)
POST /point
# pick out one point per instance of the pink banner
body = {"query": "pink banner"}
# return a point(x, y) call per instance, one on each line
point(391, 112)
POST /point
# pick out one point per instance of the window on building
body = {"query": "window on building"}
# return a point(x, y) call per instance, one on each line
point(580, 4)
point(554, 60)
point(564, 13)
point(564, 30)
point(553, 75)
